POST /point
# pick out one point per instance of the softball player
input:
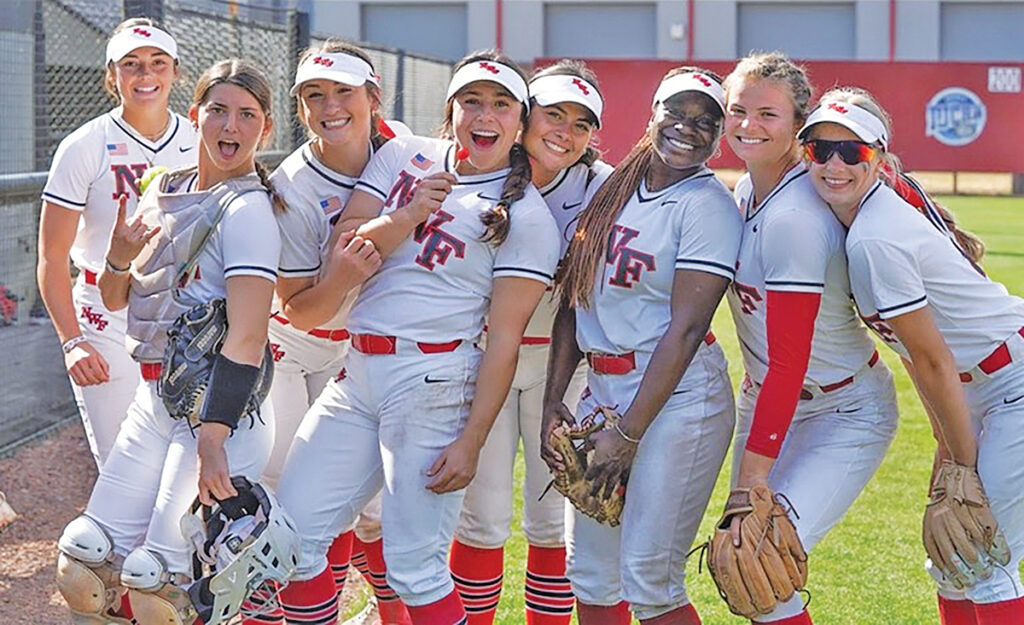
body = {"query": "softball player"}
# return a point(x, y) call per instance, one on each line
point(565, 112)
point(459, 237)
point(94, 166)
point(658, 242)
point(962, 335)
point(129, 536)
point(338, 100)
point(818, 409)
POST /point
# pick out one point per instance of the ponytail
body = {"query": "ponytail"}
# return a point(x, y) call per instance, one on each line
point(275, 198)
point(496, 221)
point(589, 247)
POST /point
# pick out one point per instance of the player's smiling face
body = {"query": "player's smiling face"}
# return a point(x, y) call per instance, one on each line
point(144, 77)
point(556, 136)
point(231, 126)
point(685, 130)
point(336, 112)
point(487, 120)
point(760, 121)
point(842, 186)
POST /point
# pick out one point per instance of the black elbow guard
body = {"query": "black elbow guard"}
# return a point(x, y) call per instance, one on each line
point(230, 388)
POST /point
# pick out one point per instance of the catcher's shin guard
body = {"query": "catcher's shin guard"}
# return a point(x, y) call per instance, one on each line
point(89, 573)
point(154, 591)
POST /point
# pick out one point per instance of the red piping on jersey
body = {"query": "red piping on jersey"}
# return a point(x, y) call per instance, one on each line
point(790, 321)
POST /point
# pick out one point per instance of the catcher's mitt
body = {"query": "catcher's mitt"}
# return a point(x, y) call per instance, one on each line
point(769, 565)
point(193, 343)
point(960, 534)
point(573, 443)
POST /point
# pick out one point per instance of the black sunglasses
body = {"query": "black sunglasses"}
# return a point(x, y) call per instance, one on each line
point(851, 152)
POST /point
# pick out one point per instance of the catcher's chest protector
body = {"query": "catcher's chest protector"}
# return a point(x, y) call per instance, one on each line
point(186, 221)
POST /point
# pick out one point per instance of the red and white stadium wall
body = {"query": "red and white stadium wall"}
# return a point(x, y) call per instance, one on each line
point(935, 107)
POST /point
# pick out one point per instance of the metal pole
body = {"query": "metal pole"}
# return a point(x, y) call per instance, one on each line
point(398, 110)
point(144, 8)
point(298, 40)
point(40, 88)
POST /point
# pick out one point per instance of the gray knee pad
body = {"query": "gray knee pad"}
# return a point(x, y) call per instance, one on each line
point(155, 593)
point(89, 572)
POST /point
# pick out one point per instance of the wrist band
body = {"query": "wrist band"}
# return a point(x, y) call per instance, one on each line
point(73, 342)
point(635, 441)
point(114, 269)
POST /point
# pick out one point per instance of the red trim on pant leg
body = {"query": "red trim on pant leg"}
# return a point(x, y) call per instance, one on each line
point(683, 615)
point(804, 618)
point(311, 602)
point(617, 614)
point(339, 555)
point(478, 579)
point(445, 611)
point(956, 612)
point(549, 597)
point(1000, 613)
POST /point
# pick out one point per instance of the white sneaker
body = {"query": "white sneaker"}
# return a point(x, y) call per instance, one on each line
point(368, 616)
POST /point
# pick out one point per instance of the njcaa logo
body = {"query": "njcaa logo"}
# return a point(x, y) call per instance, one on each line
point(955, 116)
point(94, 318)
point(629, 262)
point(438, 245)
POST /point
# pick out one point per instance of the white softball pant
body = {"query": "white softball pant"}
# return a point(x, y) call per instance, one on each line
point(833, 447)
point(674, 471)
point(151, 477)
point(385, 422)
point(103, 406)
point(487, 510)
point(997, 412)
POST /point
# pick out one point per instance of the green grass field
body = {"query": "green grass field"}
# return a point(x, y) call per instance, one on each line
point(868, 570)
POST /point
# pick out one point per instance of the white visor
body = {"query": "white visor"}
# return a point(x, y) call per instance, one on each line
point(340, 67)
point(548, 90)
point(859, 121)
point(135, 37)
point(491, 71)
point(690, 81)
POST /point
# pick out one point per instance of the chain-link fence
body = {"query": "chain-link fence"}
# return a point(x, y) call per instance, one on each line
point(51, 69)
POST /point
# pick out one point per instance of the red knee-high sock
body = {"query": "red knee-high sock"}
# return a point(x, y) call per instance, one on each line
point(804, 618)
point(260, 609)
point(549, 597)
point(956, 612)
point(311, 602)
point(392, 609)
point(478, 578)
point(683, 615)
point(445, 611)
point(359, 559)
point(617, 614)
point(1001, 613)
point(338, 557)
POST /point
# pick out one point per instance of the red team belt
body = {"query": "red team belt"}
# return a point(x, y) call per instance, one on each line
point(999, 358)
point(621, 364)
point(378, 344)
point(835, 386)
point(320, 333)
point(150, 371)
point(90, 277)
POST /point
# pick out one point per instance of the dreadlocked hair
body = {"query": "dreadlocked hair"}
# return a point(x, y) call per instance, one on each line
point(109, 80)
point(338, 46)
point(589, 248)
point(892, 173)
point(579, 69)
point(247, 76)
point(496, 221)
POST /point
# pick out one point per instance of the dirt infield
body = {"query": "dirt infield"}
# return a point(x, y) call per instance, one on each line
point(48, 484)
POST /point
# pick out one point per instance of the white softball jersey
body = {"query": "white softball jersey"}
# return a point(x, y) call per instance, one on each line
point(793, 242)
point(443, 273)
point(566, 196)
point(692, 225)
point(244, 243)
point(101, 160)
point(900, 262)
point(315, 195)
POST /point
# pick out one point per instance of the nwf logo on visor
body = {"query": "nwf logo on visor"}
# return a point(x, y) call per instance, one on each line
point(955, 116)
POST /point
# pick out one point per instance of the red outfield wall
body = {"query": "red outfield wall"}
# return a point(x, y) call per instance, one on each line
point(926, 127)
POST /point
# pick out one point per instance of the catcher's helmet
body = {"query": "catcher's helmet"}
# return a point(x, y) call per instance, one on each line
point(239, 545)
